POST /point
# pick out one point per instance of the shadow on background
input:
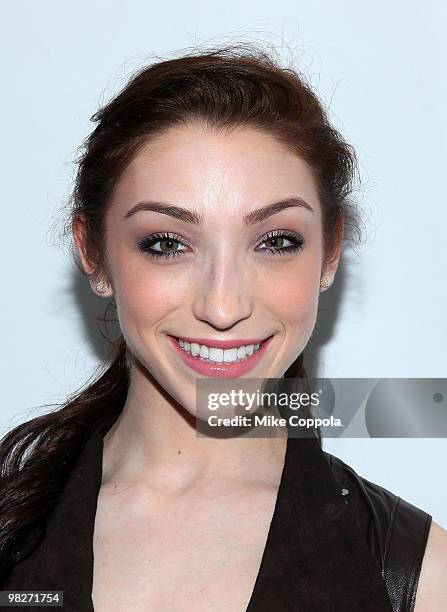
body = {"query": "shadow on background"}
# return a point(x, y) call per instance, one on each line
point(328, 310)
point(99, 322)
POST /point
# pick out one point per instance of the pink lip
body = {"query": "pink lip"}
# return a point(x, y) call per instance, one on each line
point(223, 344)
point(221, 370)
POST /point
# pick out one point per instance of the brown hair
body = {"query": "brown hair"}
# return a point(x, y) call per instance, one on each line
point(235, 85)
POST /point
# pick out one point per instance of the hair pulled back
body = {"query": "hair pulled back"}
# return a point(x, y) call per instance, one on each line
point(223, 89)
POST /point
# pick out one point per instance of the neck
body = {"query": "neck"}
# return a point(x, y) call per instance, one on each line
point(155, 442)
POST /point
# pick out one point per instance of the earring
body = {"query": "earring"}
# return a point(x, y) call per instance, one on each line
point(102, 286)
point(325, 281)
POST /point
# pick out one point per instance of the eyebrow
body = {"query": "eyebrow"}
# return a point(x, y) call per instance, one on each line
point(190, 215)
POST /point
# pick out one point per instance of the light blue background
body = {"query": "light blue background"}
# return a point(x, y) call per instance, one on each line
point(380, 66)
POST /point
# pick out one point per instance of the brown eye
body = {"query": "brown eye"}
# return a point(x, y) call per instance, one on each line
point(275, 242)
point(161, 245)
point(281, 242)
point(167, 245)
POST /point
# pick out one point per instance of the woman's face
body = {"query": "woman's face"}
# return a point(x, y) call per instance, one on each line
point(216, 273)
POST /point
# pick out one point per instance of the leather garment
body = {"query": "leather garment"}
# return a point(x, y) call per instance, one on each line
point(395, 530)
point(390, 537)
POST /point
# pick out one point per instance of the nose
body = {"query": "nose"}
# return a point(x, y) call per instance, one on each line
point(222, 295)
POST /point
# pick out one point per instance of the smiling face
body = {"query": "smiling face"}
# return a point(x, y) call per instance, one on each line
point(220, 273)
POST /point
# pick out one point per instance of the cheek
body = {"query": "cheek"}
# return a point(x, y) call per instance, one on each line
point(297, 310)
point(144, 294)
point(292, 288)
point(296, 301)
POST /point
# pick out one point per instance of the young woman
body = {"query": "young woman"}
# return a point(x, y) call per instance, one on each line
point(210, 206)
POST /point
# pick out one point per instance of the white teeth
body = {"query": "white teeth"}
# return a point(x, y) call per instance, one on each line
point(195, 349)
point(216, 354)
point(230, 355)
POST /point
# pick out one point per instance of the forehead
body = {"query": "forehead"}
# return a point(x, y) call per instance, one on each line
point(189, 165)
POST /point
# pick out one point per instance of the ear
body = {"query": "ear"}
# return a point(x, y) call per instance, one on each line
point(331, 265)
point(79, 231)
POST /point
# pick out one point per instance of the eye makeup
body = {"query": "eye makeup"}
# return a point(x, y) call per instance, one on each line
point(167, 240)
point(147, 244)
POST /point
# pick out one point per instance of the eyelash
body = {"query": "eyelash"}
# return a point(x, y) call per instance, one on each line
point(145, 244)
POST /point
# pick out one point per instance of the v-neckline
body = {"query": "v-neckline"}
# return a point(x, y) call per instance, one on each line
point(313, 556)
point(280, 519)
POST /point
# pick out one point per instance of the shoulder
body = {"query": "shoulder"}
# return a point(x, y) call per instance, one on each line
point(395, 531)
point(432, 589)
point(386, 517)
